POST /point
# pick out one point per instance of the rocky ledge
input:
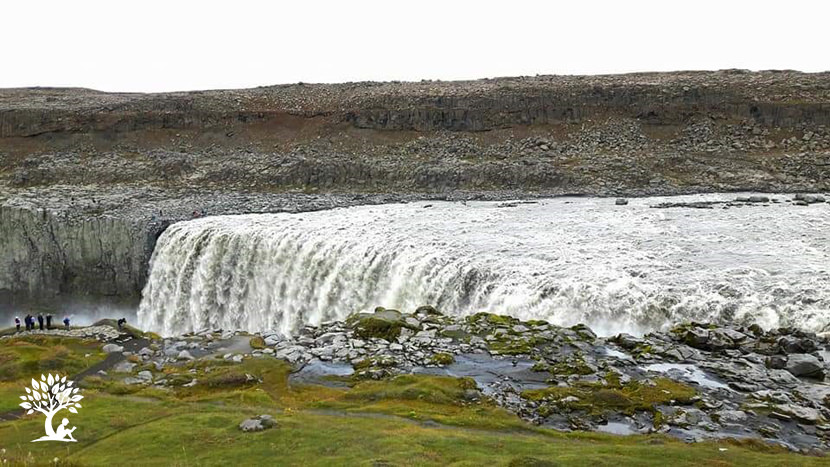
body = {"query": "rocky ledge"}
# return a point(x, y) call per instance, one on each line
point(695, 381)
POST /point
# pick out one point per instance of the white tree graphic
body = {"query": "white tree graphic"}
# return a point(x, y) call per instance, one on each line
point(49, 396)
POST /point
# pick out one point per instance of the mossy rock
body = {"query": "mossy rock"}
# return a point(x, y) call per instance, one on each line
point(428, 310)
point(382, 324)
point(178, 379)
point(375, 362)
point(584, 332)
point(492, 319)
point(442, 359)
point(257, 342)
point(574, 366)
point(540, 367)
point(628, 398)
point(508, 344)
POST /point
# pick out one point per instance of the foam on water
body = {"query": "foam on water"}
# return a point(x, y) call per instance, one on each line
point(566, 260)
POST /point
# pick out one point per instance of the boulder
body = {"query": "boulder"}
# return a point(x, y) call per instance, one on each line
point(802, 414)
point(184, 355)
point(778, 362)
point(697, 338)
point(259, 423)
point(124, 367)
point(805, 365)
point(112, 348)
point(627, 341)
point(731, 417)
point(621, 202)
point(382, 324)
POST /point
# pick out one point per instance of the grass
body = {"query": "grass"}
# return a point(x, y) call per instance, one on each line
point(29, 356)
point(405, 420)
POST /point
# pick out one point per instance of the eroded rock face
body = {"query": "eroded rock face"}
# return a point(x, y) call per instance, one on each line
point(42, 252)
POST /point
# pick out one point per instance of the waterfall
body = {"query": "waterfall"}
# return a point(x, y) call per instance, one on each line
point(616, 269)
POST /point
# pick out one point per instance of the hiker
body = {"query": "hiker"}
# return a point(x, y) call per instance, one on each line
point(28, 320)
point(40, 320)
point(121, 323)
point(17, 323)
point(66, 322)
point(48, 320)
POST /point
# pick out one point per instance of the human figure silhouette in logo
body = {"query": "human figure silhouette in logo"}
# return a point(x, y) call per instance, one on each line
point(63, 433)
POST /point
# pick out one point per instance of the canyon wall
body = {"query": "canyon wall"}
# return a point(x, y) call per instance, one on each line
point(43, 254)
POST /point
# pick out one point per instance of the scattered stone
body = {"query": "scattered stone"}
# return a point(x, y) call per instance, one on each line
point(112, 348)
point(259, 423)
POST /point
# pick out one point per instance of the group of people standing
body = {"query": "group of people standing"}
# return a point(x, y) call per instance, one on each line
point(33, 323)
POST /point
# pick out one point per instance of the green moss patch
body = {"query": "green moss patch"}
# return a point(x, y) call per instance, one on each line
point(257, 343)
point(442, 359)
point(434, 389)
point(382, 324)
point(598, 398)
point(492, 319)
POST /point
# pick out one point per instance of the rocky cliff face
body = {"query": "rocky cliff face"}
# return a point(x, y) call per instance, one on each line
point(786, 99)
point(638, 134)
point(43, 254)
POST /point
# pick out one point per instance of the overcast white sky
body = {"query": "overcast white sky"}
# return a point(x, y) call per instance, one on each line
point(152, 45)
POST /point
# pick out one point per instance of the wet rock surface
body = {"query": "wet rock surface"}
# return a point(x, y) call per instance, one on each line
point(695, 381)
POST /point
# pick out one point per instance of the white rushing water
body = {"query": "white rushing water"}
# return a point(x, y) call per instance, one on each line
point(565, 260)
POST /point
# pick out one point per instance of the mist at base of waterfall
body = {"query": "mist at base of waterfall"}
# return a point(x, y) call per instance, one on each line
point(565, 260)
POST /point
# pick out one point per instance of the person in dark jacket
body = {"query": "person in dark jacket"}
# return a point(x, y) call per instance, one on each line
point(48, 320)
point(17, 323)
point(66, 322)
point(121, 323)
point(40, 320)
point(28, 320)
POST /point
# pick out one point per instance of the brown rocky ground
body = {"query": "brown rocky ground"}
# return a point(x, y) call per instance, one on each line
point(656, 133)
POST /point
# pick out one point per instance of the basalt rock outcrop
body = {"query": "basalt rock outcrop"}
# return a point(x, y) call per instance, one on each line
point(656, 133)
